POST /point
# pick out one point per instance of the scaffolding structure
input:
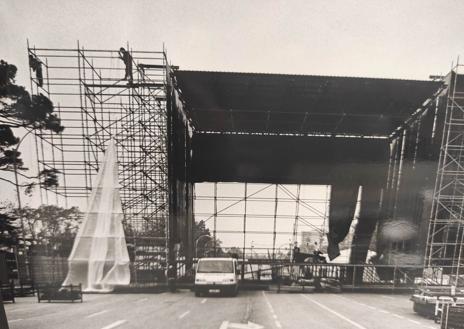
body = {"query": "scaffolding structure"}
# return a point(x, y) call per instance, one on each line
point(445, 241)
point(267, 219)
point(96, 100)
point(95, 103)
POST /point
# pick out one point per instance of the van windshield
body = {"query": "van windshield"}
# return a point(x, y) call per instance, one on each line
point(215, 266)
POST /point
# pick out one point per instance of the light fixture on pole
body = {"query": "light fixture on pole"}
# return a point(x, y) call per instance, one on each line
point(198, 240)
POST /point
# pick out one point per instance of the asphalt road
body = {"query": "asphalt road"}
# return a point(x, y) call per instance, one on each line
point(250, 309)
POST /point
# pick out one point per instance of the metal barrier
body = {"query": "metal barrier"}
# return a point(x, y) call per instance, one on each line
point(348, 275)
point(267, 272)
point(452, 316)
point(59, 293)
point(431, 301)
point(24, 289)
point(7, 292)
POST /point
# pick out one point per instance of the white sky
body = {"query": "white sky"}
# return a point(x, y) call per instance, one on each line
point(393, 39)
point(405, 39)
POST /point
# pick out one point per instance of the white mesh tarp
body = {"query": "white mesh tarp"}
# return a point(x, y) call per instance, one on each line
point(99, 259)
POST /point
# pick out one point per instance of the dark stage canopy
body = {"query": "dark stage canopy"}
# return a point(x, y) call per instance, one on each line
point(299, 104)
point(289, 159)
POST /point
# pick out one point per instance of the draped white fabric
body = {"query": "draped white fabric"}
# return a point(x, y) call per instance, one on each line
point(99, 259)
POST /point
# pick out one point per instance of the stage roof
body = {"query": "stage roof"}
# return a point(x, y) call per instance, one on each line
point(288, 159)
point(299, 104)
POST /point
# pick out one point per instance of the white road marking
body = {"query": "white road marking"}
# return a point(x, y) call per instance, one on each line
point(232, 325)
point(184, 314)
point(271, 309)
point(362, 304)
point(115, 324)
point(388, 297)
point(383, 311)
point(96, 314)
point(357, 325)
point(204, 301)
point(142, 300)
point(15, 320)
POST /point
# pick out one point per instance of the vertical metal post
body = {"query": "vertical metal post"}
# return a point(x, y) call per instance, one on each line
point(244, 230)
point(416, 142)
point(295, 223)
point(326, 211)
point(171, 227)
point(21, 219)
point(354, 277)
point(275, 221)
point(3, 318)
point(215, 219)
point(400, 171)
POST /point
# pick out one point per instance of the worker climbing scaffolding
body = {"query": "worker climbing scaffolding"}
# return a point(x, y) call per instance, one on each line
point(36, 65)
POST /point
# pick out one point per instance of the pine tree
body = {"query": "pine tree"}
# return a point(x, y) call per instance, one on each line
point(18, 109)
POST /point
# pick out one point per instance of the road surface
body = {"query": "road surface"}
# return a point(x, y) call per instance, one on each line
point(250, 309)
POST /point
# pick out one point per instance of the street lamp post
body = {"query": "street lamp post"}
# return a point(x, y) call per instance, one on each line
point(198, 240)
point(18, 195)
point(15, 168)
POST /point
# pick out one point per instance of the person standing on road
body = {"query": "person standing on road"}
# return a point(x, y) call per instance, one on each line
point(296, 251)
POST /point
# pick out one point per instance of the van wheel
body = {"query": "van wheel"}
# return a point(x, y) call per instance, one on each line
point(197, 293)
point(234, 292)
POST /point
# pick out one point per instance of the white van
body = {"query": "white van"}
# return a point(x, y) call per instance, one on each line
point(216, 275)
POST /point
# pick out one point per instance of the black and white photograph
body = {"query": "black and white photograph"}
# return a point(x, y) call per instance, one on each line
point(231, 164)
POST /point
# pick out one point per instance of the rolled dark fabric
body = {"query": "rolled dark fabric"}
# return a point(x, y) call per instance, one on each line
point(343, 197)
point(368, 218)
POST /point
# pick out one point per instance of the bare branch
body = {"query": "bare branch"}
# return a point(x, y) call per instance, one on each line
point(13, 183)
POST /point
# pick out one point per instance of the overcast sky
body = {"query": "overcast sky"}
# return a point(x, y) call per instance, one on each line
point(404, 39)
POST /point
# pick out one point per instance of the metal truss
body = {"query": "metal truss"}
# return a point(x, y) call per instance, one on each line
point(446, 229)
point(260, 221)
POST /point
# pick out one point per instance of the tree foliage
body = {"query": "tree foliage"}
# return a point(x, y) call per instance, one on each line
point(206, 246)
point(18, 109)
point(235, 252)
point(8, 230)
point(52, 228)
